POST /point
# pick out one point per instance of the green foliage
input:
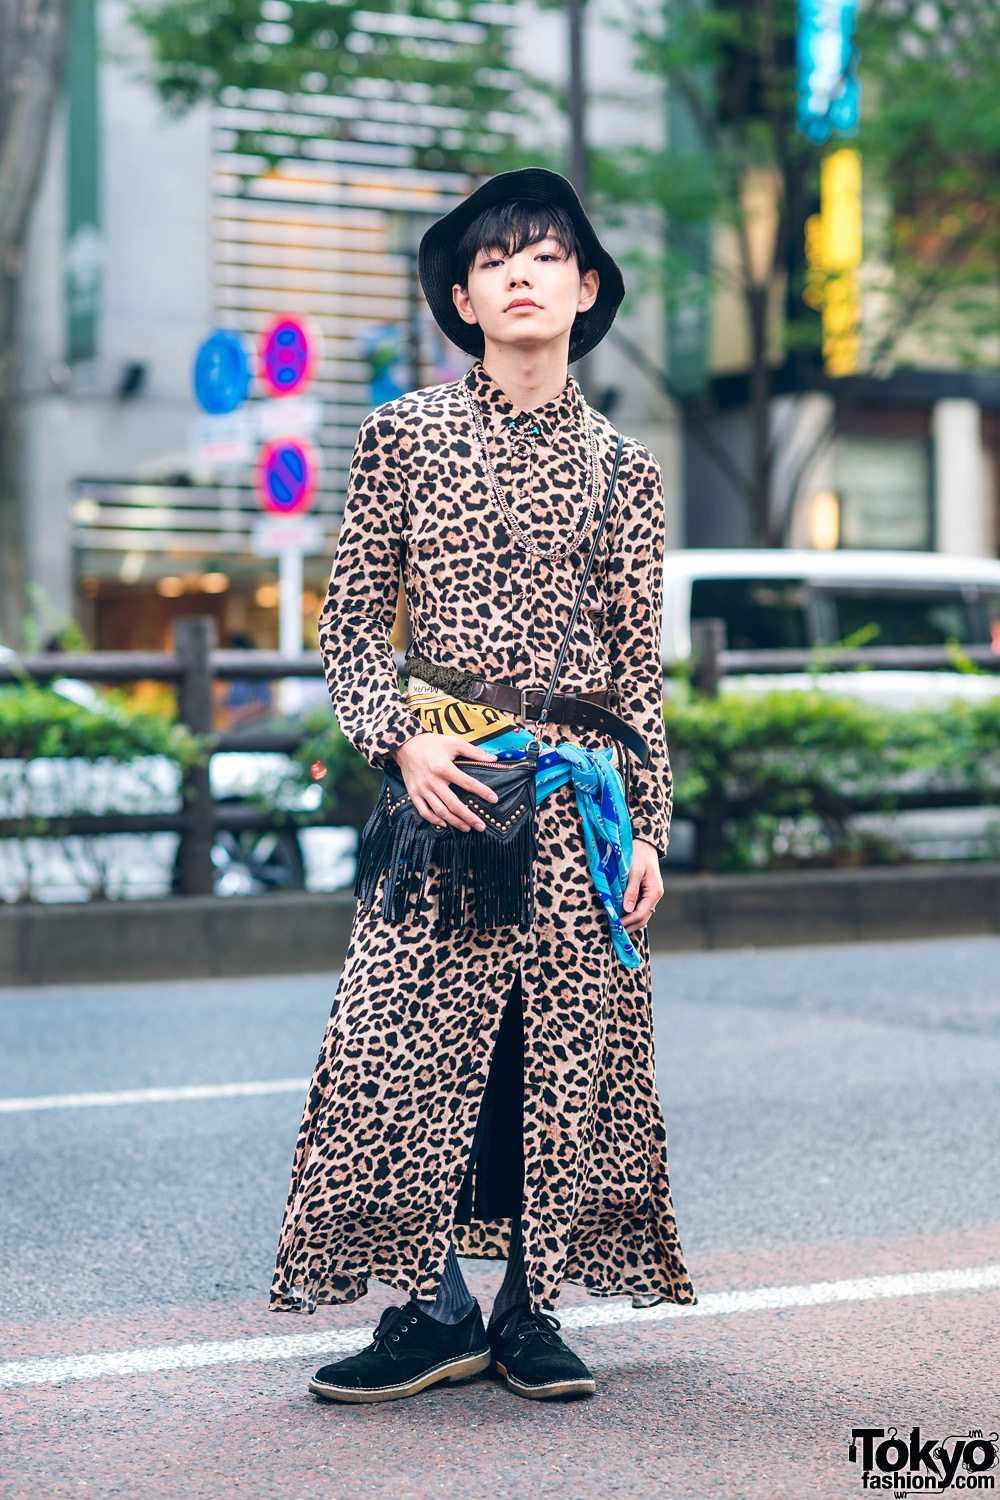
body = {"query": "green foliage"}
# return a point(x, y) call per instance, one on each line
point(348, 782)
point(929, 139)
point(747, 764)
point(774, 778)
point(45, 628)
point(769, 779)
point(933, 136)
point(441, 64)
point(730, 74)
point(38, 723)
point(59, 759)
point(961, 745)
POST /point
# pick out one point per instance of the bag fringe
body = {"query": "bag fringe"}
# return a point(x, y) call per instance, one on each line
point(499, 873)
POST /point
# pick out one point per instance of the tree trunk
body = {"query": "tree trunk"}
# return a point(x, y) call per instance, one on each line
point(760, 418)
point(32, 45)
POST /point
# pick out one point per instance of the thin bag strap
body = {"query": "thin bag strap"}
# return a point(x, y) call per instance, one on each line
point(612, 486)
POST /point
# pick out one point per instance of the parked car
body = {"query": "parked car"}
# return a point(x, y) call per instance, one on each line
point(774, 600)
point(781, 599)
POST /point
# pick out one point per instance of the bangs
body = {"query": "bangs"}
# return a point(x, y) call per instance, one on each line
point(510, 228)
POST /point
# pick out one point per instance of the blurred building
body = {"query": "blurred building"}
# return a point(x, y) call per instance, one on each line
point(913, 464)
point(185, 231)
point(904, 459)
point(148, 233)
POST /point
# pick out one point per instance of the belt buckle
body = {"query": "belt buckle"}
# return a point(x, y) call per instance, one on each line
point(522, 694)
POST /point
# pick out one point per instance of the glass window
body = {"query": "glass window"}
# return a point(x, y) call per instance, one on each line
point(884, 486)
point(991, 608)
point(760, 613)
point(902, 617)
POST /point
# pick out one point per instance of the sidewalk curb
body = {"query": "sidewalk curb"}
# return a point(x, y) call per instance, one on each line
point(198, 937)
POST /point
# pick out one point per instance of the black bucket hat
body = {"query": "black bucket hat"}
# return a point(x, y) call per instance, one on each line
point(438, 272)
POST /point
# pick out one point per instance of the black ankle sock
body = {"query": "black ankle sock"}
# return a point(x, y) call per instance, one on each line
point(514, 1287)
point(454, 1301)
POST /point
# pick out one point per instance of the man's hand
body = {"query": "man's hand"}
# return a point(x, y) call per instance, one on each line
point(426, 762)
point(645, 886)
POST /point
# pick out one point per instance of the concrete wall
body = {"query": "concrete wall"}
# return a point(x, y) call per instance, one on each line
point(156, 305)
point(198, 937)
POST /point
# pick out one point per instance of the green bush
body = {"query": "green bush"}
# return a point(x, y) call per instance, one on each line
point(773, 778)
point(769, 779)
point(59, 759)
point(38, 723)
point(348, 782)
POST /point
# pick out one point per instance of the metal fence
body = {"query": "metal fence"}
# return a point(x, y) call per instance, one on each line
point(712, 659)
point(194, 666)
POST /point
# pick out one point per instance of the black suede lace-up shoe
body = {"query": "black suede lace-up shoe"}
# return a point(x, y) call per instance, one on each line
point(532, 1358)
point(409, 1351)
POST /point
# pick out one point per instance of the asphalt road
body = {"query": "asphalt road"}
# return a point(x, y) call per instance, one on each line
point(832, 1115)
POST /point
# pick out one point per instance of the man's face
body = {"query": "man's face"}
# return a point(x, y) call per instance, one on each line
point(529, 299)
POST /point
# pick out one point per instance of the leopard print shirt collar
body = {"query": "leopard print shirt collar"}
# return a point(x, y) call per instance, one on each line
point(559, 417)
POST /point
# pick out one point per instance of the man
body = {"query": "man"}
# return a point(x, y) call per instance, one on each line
point(493, 1093)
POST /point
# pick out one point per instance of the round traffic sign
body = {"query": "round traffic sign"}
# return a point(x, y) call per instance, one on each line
point(288, 351)
point(221, 372)
point(288, 472)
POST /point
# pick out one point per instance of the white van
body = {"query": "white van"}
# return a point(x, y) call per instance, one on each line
point(779, 599)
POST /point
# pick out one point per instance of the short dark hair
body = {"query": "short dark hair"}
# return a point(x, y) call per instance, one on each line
point(512, 227)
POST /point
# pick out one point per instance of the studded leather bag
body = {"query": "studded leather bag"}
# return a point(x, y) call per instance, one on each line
point(495, 866)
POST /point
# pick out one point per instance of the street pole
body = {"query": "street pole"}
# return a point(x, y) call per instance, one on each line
point(577, 101)
point(289, 621)
point(194, 640)
point(413, 320)
point(404, 229)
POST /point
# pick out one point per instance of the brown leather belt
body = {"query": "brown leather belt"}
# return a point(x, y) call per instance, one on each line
point(579, 710)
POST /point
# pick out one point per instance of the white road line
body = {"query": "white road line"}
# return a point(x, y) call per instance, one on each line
point(154, 1096)
point(54, 1371)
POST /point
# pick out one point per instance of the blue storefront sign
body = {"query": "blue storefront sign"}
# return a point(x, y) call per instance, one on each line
point(829, 94)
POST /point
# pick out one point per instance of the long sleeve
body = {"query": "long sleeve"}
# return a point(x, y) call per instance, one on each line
point(357, 619)
point(633, 631)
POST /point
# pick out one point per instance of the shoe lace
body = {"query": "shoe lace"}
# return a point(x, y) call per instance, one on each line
point(527, 1324)
point(392, 1325)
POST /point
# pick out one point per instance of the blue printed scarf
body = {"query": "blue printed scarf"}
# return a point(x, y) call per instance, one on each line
point(607, 828)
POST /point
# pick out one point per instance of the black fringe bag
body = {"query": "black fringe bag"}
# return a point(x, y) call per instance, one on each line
point(496, 866)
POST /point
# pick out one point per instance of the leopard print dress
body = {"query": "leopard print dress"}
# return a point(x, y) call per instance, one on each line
point(392, 1110)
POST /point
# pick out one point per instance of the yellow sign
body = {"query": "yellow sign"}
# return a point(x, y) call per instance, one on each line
point(833, 253)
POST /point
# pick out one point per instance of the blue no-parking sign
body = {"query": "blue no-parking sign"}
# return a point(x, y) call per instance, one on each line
point(221, 373)
point(287, 355)
point(288, 472)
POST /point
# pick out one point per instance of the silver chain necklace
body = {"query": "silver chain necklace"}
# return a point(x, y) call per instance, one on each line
point(519, 536)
